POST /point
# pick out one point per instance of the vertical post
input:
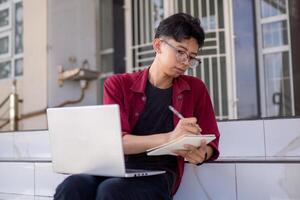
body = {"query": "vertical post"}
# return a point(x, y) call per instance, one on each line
point(13, 108)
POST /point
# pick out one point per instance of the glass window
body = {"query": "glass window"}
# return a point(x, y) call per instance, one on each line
point(5, 69)
point(19, 67)
point(4, 17)
point(271, 8)
point(19, 28)
point(4, 45)
point(11, 38)
point(106, 24)
point(3, 1)
point(277, 81)
point(245, 59)
point(106, 39)
point(209, 18)
point(274, 34)
point(276, 65)
point(106, 63)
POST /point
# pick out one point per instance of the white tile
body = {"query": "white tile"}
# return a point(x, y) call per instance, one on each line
point(32, 145)
point(268, 181)
point(15, 197)
point(242, 139)
point(17, 178)
point(6, 145)
point(209, 181)
point(282, 137)
point(46, 180)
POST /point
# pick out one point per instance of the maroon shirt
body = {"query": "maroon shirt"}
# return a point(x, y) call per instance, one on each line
point(190, 98)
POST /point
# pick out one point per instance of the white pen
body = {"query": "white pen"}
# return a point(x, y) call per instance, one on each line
point(178, 114)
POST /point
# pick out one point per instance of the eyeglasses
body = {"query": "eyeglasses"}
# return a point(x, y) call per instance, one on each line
point(183, 56)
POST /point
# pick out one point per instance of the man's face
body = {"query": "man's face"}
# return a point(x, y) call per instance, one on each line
point(176, 57)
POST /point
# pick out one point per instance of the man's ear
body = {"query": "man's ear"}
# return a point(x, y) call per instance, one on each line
point(156, 43)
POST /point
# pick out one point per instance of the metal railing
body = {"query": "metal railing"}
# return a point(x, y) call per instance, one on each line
point(13, 110)
point(12, 119)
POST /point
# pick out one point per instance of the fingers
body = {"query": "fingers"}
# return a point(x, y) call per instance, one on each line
point(181, 153)
point(191, 129)
point(192, 154)
point(185, 154)
point(190, 125)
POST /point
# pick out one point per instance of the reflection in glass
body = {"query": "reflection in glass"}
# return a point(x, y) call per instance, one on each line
point(19, 28)
point(106, 36)
point(3, 1)
point(5, 70)
point(247, 103)
point(212, 12)
point(4, 18)
point(209, 18)
point(4, 45)
point(106, 63)
point(19, 67)
point(277, 78)
point(271, 8)
point(274, 34)
point(106, 24)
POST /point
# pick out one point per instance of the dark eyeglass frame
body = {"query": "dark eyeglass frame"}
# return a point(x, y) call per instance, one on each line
point(183, 56)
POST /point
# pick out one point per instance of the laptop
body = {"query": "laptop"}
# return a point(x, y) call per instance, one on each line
point(88, 140)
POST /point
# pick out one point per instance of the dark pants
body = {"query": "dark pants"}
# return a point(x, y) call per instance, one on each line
point(87, 187)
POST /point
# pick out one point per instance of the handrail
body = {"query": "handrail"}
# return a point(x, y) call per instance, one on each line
point(2, 118)
point(40, 112)
point(17, 118)
point(4, 124)
point(4, 101)
point(6, 121)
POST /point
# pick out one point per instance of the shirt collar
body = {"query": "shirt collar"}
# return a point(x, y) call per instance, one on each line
point(140, 82)
point(179, 84)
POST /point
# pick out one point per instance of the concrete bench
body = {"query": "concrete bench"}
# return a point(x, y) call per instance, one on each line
point(260, 159)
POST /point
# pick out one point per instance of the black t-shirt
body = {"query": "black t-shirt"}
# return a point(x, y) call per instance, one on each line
point(156, 118)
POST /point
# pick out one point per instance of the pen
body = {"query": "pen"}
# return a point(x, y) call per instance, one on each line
point(176, 112)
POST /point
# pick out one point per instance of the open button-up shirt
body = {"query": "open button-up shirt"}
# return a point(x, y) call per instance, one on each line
point(190, 98)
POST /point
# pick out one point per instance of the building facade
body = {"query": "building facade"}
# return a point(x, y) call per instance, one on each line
point(249, 60)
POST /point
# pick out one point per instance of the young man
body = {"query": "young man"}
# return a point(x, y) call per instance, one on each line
point(144, 98)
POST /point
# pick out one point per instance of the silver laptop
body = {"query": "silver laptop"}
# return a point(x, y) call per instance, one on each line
point(88, 140)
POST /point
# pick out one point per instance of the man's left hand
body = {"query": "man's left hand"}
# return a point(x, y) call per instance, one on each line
point(193, 154)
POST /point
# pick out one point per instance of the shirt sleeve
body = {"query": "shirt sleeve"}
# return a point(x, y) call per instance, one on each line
point(207, 121)
point(113, 94)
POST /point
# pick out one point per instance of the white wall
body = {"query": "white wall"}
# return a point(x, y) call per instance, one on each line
point(35, 63)
point(71, 33)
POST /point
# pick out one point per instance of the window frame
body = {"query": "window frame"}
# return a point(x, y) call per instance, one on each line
point(10, 31)
point(8, 54)
point(262, 51)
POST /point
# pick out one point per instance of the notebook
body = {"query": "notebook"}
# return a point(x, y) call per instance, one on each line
point(178, 144)
point(88, 140)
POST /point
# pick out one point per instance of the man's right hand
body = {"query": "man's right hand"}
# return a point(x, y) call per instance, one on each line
point(185, 126)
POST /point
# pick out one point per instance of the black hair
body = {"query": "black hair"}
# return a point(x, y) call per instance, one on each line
point(181, 26)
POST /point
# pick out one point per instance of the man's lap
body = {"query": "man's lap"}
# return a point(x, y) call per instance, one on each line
point(89, 187)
